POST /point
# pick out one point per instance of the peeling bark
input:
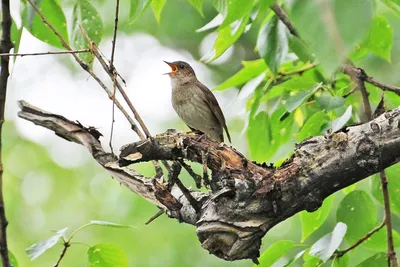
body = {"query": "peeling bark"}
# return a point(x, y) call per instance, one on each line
point(247, 199)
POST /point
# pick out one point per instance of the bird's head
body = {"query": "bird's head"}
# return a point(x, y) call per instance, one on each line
point(181, 71)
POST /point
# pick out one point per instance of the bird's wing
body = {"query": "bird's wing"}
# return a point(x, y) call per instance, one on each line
point(212, 102)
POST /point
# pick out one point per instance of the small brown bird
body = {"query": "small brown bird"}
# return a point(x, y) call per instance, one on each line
point(194, 102)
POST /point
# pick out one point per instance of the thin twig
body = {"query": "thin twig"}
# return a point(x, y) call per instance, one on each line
point(113, 71)
point(46, 53)
point(197, 178)
point(349, 93)
point(300, 71)
point(5, 47)
point(384, 87)
point(360, 241)
point(155, 216)
point(66, 246)
point(280, 13)
point(84, 66)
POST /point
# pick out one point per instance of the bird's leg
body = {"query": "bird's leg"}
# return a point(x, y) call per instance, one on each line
point(195, 176)
point(173, 179)
point(204, 158)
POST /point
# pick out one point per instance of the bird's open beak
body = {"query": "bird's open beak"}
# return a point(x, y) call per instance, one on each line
point(174, 68)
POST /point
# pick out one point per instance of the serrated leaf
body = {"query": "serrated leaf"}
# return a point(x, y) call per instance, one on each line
point(106, 255)
point(379, 259)
point(40, 247)
point(294, 101)
point(54, 14)
point(86, 15)
point(358, 211)
point(312, 127)
point(272, 43)
point(137, 8)
point(250, 70)
point(393, 176)
point(259, 136)
point(311, 221)
point(275, 252)
point(198, 5)
point(327, 245)
point(157, 6)
point(236, 10)
point(329, 102)
point(226, 37)
point(342, 120)
point(339, 38)
point(380, 38)
point(110, 224)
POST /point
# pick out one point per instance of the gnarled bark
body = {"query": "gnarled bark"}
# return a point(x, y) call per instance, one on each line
point(246, 199)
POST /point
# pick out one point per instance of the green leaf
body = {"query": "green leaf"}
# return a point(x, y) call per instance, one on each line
point(40, 247)
point(110, 224)
point(311, 221)
point(339, 38)
point(378, 241)
point(327, 245)
point(272, 43)
point(310, 261)
point(298, 256)
point(341, 261)
point(358, 211)
point(380, 38)
point(106, 255)
point(86, 15)
point(15, 36)
point(137, 8)
point(250, 70)
point(312, 127)
point(275, 252)
point(236, 10)
point(259, 136)
point(390, 4)
point(13, 260)
point(300, 49)
point(249, 88)
point(226, 37)
point(54, 14)
point(294, 101)
point(157, 6)
point(342, 120)
point(393, 176)
point(198, 5)
point(379, 259)
point(329, 102)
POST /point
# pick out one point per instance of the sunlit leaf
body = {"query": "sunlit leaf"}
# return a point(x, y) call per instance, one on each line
point(380, 38)
point(248, 89)
point(236, 10)
point(226, 37)
point(310, 261)
point(339, 38)
point(274, 252)
point(137, 8)
point(327, 245)
point(85, 15)
point(40, 247)
point(393, 6)
point(294, 101)
point(16, 34)
point(341, 261)
point(311, 221)
point(272, 43)
point(379, 259)
point(157, 6)
point(298, 256)
point(358, 211)
point(342, 120)
point(106, 255)
point(250, 70)
point(198, 5)
point(54, 14)
point(312, 127)
point(215, 22)
point(259, 136)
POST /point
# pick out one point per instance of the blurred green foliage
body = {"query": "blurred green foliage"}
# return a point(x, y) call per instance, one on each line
point(294, 90)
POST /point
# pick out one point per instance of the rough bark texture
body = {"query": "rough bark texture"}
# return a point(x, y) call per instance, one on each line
point(246, 199)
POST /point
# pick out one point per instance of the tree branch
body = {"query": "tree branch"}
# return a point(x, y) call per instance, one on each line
point(247, 199)
point(46, 53)
point(5, 47)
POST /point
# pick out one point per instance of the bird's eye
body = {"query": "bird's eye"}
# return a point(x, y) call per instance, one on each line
point(181, 66)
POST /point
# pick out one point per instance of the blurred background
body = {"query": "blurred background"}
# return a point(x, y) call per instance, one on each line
point(51, 183)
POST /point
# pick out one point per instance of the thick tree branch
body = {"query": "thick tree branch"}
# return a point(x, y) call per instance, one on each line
point(247, 199)
point(5, 47)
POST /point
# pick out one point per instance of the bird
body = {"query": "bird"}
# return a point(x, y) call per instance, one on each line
point(194, 103)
